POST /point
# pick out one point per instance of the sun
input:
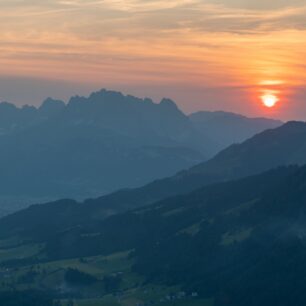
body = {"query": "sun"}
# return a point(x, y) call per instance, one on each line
point(269, 100)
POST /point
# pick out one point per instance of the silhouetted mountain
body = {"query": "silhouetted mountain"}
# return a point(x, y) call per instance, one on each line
point(13, 119)
point(272, 148)
point(93, 145)
point(285, 145)
point(229, 128)
point(51, 107)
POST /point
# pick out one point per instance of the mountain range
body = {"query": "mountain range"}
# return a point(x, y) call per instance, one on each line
point(234, 243)
point(226, 232)
point(98, 144)
point(283, 146)
point(229, 128)
point(238, 243)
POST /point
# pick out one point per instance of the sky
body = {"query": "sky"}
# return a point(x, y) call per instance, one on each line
point(204, 54)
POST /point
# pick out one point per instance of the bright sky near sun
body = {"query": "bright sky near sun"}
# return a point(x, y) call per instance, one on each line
point(211, 54)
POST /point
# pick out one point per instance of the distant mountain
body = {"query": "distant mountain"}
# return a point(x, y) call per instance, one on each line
point(285, 145)
point(270, 149)
point(229, 128)
point(51, 107)
point(13, 118)
point(93, 146)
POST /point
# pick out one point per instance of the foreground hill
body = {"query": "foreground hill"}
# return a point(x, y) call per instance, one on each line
point(235, 243)
point(241, 243)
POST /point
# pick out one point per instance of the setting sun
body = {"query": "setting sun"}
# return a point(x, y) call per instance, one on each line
point(269, 100)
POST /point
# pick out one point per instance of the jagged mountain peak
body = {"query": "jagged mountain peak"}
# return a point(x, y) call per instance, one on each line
point(6, 106)
point(51, 106)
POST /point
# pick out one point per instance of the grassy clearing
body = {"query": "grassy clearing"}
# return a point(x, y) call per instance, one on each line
point(238, 236)
point(189, 303)
point(192, 230)
point(20, 252)
point(107, 301)
point(100, 266)
point(51, 275)
point(131, 290)
point(111, 301)
point(10, 242)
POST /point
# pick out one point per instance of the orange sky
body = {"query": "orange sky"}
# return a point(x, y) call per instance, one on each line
point(204, 54)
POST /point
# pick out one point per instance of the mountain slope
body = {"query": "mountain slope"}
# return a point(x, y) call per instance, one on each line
point(228, 128)
point(242, 243)
point(281, 146)
point(273, 148)
point(93, 146)
point(239, 243)
point(285, 145)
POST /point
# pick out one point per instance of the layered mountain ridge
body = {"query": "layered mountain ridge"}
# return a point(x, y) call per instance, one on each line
point(283, 146)
point(95, 145)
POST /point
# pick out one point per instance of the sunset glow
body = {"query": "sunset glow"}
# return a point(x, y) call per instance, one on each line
point(269, 100)
point(203, 54)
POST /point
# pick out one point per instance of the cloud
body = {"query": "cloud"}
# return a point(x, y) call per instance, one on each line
point(141, 43)
point(260, 4)
point(141, 16)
